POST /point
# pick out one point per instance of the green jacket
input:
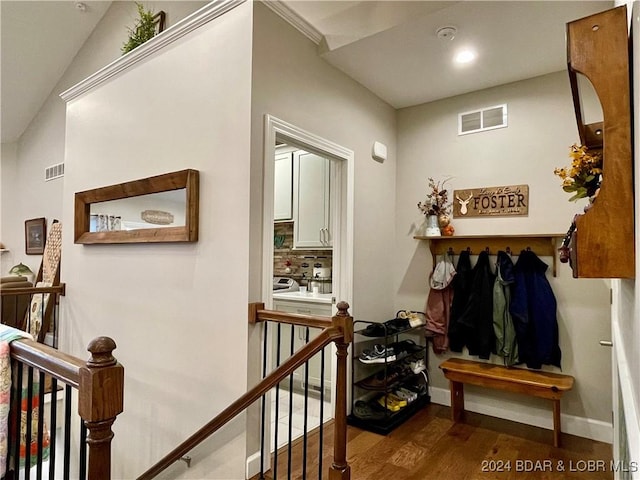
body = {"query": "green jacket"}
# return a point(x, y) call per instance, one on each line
point(506, 344)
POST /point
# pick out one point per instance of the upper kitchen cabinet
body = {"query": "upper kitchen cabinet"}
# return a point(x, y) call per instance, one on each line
point(283, 186)
point(311, 192)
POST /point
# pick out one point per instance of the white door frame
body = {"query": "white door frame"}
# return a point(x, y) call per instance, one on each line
point(341, 217)
point(342, 204)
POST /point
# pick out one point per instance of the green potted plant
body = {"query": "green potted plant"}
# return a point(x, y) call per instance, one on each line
point(143, 30)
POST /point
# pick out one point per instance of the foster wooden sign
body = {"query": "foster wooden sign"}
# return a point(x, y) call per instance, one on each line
point(491, 201)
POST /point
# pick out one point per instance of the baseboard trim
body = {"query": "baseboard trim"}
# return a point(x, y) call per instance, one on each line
point(253, 465)
point(537, 417)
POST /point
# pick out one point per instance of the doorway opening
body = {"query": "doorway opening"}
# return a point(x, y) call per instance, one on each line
point(307, 230)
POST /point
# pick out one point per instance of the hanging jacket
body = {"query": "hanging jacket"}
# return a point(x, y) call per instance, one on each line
point(478, 314)
point(506, 343)
point(438, 308)
point(533, 308)
point(461, 286)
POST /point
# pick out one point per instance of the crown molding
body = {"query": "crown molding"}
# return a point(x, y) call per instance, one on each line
point(295, 20)
point(194, 21)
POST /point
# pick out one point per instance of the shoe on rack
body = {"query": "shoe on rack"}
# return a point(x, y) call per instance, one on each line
point(398, 400)
point(366, 411)
point(405, 348)
point(415, 319)
point(380, 381)
point(375, 330)
point(396, 325)
point(406, 394)
point(392, 402)
point(417, 366)
point(379, 354)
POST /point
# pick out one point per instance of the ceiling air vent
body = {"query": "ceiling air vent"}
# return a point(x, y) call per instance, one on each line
point(53, 172)
point(480, 120)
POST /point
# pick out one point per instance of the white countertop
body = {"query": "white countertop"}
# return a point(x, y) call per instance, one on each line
point(304, 297)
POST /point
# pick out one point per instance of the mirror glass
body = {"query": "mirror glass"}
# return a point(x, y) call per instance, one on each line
point(163, 208)
point(589, 101)
point(155, 210)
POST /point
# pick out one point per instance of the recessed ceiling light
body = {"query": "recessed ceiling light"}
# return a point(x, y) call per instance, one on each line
point(465, 56)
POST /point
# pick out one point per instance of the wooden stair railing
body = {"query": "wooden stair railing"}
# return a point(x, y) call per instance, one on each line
point(100, 385)
point(48, 315)
point(339, 329)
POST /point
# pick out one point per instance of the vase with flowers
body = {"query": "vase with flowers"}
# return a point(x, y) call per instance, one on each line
point(583, 176)
point(437, 209)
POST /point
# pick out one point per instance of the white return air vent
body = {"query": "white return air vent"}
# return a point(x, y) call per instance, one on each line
point(488, 118)
point(53, 172)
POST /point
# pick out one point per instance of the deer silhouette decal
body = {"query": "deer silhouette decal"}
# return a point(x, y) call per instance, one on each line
point(464, 203)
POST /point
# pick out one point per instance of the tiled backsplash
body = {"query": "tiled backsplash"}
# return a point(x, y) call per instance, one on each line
point(301, 261)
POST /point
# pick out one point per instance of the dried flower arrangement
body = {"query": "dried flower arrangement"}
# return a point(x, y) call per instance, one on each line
point(583, 177)
point(437, 200)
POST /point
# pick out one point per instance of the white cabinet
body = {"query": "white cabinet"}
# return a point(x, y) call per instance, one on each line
point(283, 185)
point(311, 174)
point(299, 339)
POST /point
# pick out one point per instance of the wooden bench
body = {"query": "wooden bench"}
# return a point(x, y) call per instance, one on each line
point(518, 380)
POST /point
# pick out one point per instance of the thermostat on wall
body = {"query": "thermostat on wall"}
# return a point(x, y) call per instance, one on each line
point(379, 152)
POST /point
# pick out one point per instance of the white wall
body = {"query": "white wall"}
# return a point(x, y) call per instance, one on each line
point(541, 129)
point(178, 312)
point(10, 198)
point(626, 301)
point(42, 143)
point(292, 83)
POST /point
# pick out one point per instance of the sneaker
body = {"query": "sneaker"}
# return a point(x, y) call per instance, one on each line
point(379, 354)
point(406, 394)
point(417, 366)
point(405, 348)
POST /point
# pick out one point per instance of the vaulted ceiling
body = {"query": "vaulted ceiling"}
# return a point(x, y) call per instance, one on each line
point(390, 47)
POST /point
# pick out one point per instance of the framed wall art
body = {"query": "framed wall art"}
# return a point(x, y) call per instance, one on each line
point(35, 235)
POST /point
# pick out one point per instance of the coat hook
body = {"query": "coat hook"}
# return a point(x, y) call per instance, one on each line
point(486, 249)
point(528, 249)
point(508, 250)
point(469, 250)
point(450, 251)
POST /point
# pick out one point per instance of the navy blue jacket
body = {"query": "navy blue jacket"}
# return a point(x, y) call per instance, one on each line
point(533, 308)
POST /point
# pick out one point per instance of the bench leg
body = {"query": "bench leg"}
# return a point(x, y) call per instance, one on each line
point(556, 423)
point(457, 400)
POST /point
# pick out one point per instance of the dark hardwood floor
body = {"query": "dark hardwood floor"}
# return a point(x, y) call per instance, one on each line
point(431, 446)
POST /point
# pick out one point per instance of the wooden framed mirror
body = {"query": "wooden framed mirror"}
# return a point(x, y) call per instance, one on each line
point(163, 208)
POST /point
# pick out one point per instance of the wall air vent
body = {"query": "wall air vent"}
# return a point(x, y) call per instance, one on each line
point(488, 118)
point(53, 172)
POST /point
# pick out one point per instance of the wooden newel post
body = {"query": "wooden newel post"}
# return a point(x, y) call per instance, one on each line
point(340, 469)
point(100, 400)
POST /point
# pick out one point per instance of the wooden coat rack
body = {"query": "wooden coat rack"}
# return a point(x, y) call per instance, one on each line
point(544, 245)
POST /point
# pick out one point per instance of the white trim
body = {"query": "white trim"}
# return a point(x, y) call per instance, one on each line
point(626, 380)
point(291, 17)
point(342, 216)
point(538, 417)
point(253, 465)
point(343, 250)
point(194, 21)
